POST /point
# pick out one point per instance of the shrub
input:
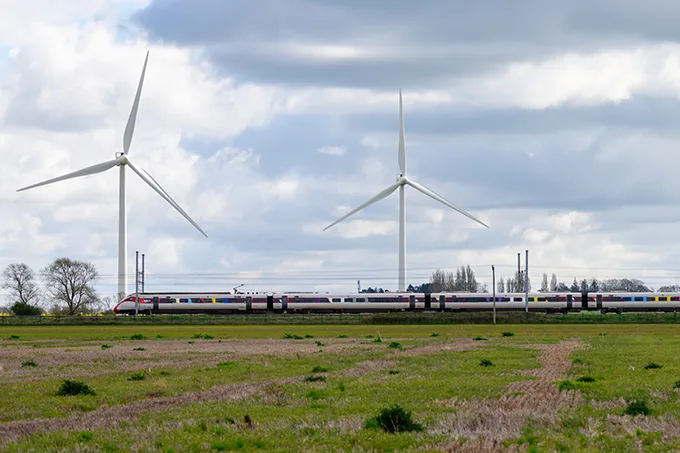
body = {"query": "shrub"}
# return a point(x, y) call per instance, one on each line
point(508, 334)
point(105, 347)
point(308, 336)
point(226, 363)
point(486, 362)
point(394, 371)
point(29, 363)
point(434, 335)
point(566, 385)
point(137, 336)
point(586, 379)
point(395, 345)
point(140, 376)
point(318, 343)
point(479, 339)
point(139, 349)
point(377, 340)
point(393, 419)
point(315, 378)
point(652, 365)
point(291, 336)
point(24, 309)
point(319, 369)
point(342, 336)
point(677, 385)
point(638, 407)
point(69, 387)
point(14, 337)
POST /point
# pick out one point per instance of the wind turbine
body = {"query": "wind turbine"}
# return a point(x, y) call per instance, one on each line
point(402, 182)
point(122, 161)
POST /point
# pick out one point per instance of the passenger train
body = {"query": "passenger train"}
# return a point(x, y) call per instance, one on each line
point(228, 303)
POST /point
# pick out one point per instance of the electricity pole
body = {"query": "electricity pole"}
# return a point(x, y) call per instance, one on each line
point(493, 280)
point(526, 283)
point(136, 283)
point(142, 272)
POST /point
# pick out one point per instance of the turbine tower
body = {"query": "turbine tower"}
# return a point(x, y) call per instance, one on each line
point(122, 161)
point(402, 182)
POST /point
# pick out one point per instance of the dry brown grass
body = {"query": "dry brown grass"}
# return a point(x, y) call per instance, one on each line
point(490, 422)
point(108, 417)
point(60, 362)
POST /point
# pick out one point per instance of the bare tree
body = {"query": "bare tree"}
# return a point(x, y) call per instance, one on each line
point(438, 281)
point(553, 283)
point(19, 280)
point(500, 286)
point(544, 283)
point(71, 283)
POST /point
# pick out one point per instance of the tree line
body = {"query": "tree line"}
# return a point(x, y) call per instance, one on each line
point(68, 288)
point(464, 280)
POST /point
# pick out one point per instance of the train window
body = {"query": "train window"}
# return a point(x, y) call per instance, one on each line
point(337, 299)
point(183, 301)
point(541, 299)
point(638, 299)
point(674, 298)
point(361, 299)
point(627, 299)
point(349, 299)
point(518, 299)
point(663, 299)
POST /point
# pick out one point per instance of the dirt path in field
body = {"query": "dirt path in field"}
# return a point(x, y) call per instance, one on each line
point(488, 423)
point(108, 417)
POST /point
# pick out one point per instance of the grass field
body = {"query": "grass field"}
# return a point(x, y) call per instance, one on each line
point(177, 388)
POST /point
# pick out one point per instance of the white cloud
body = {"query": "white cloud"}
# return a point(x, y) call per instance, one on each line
point(333, 150)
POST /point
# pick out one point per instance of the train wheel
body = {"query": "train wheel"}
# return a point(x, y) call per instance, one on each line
point(619, 310)
point(604, 311)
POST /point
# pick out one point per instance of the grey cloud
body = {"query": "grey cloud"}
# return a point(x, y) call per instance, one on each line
point(429, 41)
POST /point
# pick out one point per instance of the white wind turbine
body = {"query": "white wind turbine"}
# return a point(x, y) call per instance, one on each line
point(122, 161)
point(402, 181)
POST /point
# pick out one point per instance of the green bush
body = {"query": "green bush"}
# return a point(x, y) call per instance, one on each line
point(29, 363)
point(319, 369)
point(395, 345)
point(638, 407)
point(315, 378)
point(69, 388)
point(105, 347)
point(137, 336)
point(486, 362)
point(140, 376)
point(652, 365)
point(393, 419)
point(479, 339)
point(586, 379)
point(24, 309)
point(508, 334)
point(566, 385)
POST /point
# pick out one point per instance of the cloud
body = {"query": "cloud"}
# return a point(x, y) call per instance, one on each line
point(333, 150)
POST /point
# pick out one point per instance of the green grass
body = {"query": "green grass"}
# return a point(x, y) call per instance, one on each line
point(335, 398)
point(29, 333)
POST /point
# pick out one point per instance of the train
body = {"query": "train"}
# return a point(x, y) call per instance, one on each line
point(235, 303)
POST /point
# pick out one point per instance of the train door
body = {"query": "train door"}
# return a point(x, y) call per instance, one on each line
point(270, 302)
point(428, 301)
point(584, 300)
point(155, 305)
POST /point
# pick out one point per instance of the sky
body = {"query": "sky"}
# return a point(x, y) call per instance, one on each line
point(553, 122)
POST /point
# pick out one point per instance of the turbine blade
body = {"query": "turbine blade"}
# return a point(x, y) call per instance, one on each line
point(157, 187)
point(384, 193)
point(94, 169)
point(130, 127)
point(402, 142)
point(430, 193)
